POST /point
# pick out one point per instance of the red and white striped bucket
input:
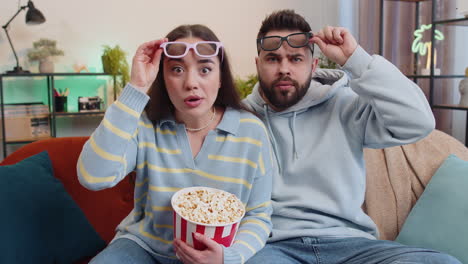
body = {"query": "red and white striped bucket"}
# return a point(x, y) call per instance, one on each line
point(185, 229)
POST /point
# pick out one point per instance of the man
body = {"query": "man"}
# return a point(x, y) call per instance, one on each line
point(319, 121)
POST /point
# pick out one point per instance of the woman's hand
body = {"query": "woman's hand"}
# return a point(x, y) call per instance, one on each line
point(336, 43)
point(145, 64)
point(213, 254)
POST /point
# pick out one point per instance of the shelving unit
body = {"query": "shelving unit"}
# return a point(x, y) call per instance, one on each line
point(50, 79)
point(458, 22)
point(417, 4)
point(415, 76)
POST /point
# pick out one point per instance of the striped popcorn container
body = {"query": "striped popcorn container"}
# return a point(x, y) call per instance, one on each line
point(185, 229)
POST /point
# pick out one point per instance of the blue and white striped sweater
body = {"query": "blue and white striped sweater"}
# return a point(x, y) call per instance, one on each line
point(234, 157)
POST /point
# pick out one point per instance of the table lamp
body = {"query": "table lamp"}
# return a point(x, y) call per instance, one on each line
point(33, 17)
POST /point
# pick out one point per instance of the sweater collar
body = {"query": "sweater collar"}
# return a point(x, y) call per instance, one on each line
point(229, 123)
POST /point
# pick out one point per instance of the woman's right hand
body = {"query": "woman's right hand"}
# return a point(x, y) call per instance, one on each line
point(145, 64)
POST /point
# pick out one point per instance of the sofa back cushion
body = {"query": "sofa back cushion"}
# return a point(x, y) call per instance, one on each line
point(42, 223)
point(438, 220)
point(104, 209)
point(397, 176)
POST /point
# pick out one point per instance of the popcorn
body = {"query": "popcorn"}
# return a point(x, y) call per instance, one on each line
point(209, 206)
point(207, 211)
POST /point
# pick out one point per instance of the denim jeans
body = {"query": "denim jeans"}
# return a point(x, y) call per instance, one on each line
point(346, 250)
point(127, 251)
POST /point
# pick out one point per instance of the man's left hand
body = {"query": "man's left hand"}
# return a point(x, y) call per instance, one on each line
point(213, 254)
point(336, 43)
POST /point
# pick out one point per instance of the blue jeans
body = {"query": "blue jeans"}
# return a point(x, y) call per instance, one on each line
point(127, 251)
point(346, 250)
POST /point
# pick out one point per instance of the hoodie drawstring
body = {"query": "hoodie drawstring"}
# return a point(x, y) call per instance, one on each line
point(272, 137)
point(293, 132)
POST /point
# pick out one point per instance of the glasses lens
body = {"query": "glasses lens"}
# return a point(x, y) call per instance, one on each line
point(175, 49)
point(271, 43)
point(206, 49)
point(298, 40)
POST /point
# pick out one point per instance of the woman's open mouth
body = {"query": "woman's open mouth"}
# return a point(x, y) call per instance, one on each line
point(193, 101)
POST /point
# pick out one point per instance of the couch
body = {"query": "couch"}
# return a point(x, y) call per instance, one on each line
point(396, 178)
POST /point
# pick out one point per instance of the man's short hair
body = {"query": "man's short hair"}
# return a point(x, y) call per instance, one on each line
point(285, 19)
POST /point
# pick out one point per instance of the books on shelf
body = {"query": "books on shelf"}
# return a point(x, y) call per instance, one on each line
point(26, 122)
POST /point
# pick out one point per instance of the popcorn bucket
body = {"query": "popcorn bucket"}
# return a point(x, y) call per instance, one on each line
point(185, 229)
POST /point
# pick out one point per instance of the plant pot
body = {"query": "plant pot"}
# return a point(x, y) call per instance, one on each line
point(106, 67)
point(46, 66)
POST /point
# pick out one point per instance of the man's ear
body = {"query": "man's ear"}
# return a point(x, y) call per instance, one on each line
point(314, 64)
point(257, 61)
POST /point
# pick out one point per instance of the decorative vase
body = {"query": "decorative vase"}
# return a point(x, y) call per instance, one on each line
point(463, 88)
point(462, 7)
point(46, 65)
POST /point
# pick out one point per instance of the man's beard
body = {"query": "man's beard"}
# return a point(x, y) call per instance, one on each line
point(282, 100)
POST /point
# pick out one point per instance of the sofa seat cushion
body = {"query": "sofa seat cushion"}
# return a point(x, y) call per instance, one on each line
point(41, 222)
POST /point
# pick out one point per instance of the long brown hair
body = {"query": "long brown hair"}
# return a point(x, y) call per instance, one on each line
point(160, 106)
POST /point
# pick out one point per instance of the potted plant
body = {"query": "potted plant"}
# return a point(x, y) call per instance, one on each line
point(326, 63)
point(42, 51)
point(115, 63)
point(245, 86)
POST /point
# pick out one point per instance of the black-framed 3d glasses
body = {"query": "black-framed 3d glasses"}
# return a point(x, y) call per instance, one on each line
point(295, 40)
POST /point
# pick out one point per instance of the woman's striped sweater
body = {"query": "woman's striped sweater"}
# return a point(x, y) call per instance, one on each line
point(234, 157)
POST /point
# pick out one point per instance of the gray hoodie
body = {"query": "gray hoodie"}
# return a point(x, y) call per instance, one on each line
point(318, 144)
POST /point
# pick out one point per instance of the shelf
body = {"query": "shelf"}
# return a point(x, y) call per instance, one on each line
point(51, 79)
point(90, 113)
point(24, 141)
point(418, 76)
point(449, 106)
point(412, 1)
point(54, 74)
point(435, 76)
point(452, 22)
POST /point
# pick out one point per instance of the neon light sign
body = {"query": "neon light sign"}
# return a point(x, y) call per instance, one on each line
point(422, 48)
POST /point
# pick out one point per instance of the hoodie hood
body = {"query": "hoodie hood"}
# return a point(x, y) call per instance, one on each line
point(323, 86)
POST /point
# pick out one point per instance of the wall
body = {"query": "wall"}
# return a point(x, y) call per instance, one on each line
point(82, 27)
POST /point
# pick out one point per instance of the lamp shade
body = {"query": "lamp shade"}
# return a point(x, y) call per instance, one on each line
point(33, 15)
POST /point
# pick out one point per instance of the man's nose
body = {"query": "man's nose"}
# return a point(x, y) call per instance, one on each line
point(285, 67)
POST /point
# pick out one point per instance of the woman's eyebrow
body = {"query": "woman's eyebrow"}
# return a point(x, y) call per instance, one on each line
point(206, 61)
point(176, 59)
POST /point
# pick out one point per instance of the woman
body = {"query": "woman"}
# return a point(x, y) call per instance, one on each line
point(193, 132)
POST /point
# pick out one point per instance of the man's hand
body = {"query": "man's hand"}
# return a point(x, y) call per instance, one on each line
point(145, 64)
point(336, 43)
point(213, 254)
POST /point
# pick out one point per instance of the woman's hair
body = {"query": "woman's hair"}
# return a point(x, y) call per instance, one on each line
point(160, 106)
